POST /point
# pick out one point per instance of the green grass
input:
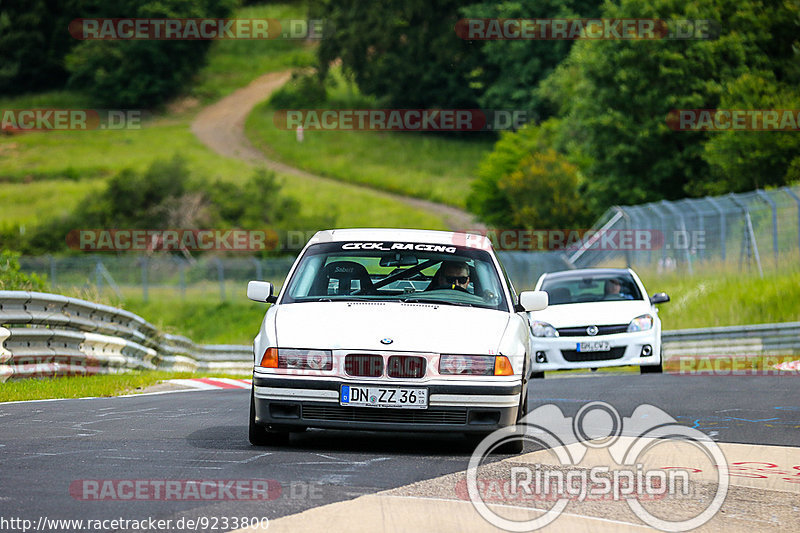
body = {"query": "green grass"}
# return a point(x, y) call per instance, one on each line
point(723, 296)
point(205, 321)
point(87, 386)
point(429, 166)
point(235, 63)
point(58, 168)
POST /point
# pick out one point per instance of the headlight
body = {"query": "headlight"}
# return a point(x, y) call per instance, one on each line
point(297, 359)
point(640, 323)
point(543, 329)
point(475, 365)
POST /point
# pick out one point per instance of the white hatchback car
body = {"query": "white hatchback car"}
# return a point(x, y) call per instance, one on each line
point(385, 329)
point(596, 317)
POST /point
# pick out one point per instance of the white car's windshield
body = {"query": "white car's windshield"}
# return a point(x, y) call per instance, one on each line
point(600, 287)
point(396, 271)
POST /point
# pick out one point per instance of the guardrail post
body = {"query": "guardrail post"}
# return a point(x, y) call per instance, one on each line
point(748, 230)
point(791, 193)
point(700, 225)
point(52, 271)
point(662, 226)
point(774, 209)
point(182, 268)
point(677, 213)
point(145, 260)
point(221, 276)
point(626, 220)
point(98, 277)
point(259, 269)
point(721, 212)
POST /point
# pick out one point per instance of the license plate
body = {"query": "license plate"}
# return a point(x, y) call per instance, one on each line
point(594, 346)
point(404, 398)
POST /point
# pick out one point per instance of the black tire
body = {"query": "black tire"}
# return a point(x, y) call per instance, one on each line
point(655, 369)
point(537, 375)
point(261, 436)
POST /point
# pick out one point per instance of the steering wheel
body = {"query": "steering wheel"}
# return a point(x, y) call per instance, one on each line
point(490, 297)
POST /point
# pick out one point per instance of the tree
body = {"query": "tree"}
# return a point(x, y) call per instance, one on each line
point(614, 96)
point(743, 160)
point(510, 71)
point(141, 73)
point(545, 192)
point(517, 182)
point(33, 42)
point(406, 52)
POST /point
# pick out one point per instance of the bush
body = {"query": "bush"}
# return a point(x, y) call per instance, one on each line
point(141, 73)
point(11, 279)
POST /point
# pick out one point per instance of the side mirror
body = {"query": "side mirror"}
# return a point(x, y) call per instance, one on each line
point(260, 291)
point(532, 301)
point(659, 298)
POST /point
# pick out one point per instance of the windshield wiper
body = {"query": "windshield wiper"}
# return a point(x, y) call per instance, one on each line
point(433, 301)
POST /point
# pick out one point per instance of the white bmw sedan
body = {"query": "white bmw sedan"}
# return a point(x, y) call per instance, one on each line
point(596, 317)
point(385, 329)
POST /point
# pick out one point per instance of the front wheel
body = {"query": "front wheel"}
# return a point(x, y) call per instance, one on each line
point(655, 369)
point(261, 436)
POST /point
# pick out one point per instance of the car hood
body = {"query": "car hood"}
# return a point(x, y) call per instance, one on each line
point(592, 313)
point(411, 327)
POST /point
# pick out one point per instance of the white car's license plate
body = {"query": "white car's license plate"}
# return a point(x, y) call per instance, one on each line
point(594, 346)
point(404, 398)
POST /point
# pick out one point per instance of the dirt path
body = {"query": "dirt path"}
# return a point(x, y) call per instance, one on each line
point(220, 126)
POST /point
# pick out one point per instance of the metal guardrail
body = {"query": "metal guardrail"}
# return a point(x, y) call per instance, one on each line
point(48, 335)
point(759, 339)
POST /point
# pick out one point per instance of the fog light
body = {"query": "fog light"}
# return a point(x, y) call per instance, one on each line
point(541, 357)
point(647, 350)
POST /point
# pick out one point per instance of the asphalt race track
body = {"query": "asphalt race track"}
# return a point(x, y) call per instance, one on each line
point(48, 449)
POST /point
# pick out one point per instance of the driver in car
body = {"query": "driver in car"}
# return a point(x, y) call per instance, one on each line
point(613, 289)
point(451, 275)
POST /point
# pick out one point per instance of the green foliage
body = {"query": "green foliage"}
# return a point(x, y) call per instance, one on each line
point(406, 52)
point(614, 96)
point(495, 204)
point(545, 192)
point(141, 73)
point(33, 42)
point(166, 196)
point(12, 279)
point(303, 91)
point(510, 71)
point(743, 161)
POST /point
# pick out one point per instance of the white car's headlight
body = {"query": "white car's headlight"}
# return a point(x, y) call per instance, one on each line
point(640, 323)
point(297, 359)
point(543, 329)
point(480, 365)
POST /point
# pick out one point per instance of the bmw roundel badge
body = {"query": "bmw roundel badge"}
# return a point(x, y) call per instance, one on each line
point(386, 341)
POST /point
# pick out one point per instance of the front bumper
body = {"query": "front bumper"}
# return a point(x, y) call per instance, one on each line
point(295, 402)
point(626, 349)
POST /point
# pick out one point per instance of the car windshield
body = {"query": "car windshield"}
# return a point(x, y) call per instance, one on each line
point(585, 287)
point(397, 271)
